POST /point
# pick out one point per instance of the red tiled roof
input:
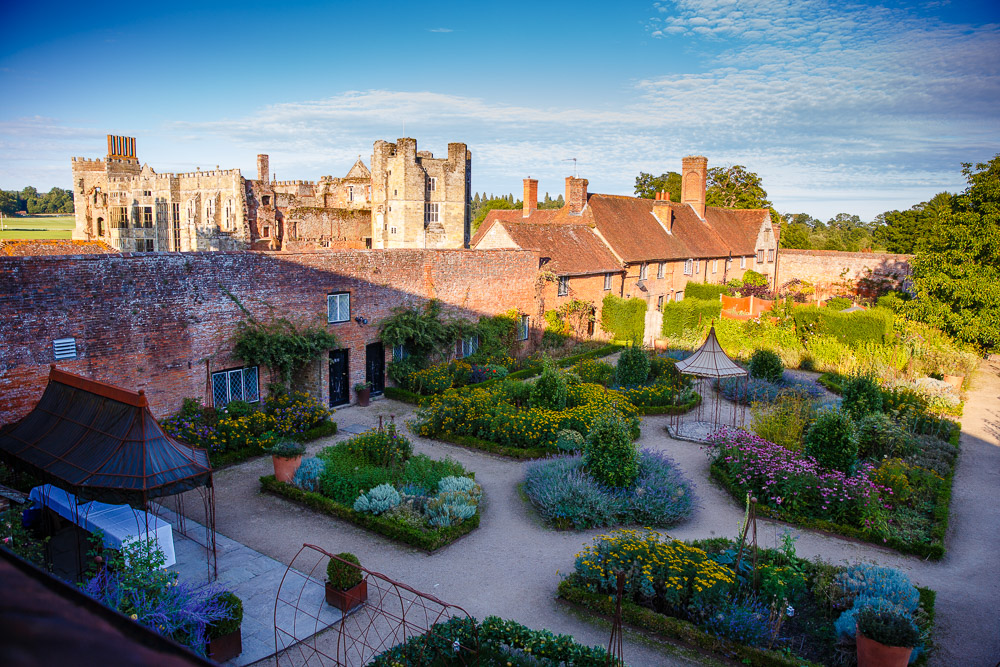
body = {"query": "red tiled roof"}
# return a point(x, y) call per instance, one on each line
point(566, 247)
point(26, 248)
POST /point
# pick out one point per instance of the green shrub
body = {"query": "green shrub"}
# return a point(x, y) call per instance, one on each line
point(664, 368)
point(386, 447)
point(379, 500)
point(766, 365)
point(838, 303)
point(889, 627)
point(875, 325)
point(689, 315)
point(424, 472)
point(237, 409)
point(341, 575)
point(595, 371)
point(880, 436)
point(862, 396)
point(704, 291)
point(633, 367)
point(784, 421)
point(609, 455)
point(568, 440)
point(894, 301)
point(432, 380)
point(401, 372)
point(754, 279)
point(624, 319)
point(831, 441)
point(345, 477)
point(234, 605)
point(549, 391)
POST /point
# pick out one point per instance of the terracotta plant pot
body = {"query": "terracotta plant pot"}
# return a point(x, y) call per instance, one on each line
point(955, 381)
point(285, 467)
point(225, 647)
point(364, 396)
point(661, 345)
point(873, 654)
point(349, 599)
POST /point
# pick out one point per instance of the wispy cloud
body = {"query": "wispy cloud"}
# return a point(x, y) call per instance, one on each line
point(440, 30)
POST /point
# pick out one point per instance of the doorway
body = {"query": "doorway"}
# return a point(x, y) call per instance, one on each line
point(375, 367)
point(339, 378)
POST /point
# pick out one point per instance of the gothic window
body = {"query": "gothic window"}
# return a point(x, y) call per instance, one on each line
point(230, 214)
point(210, 211)
point(191, 211)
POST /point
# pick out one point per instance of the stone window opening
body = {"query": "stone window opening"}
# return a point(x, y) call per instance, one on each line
point(266, 232)
point(236, 384)
point(100, 226)
point(563, 285)
point(431, 213)
point(266, 200)
point(350, 193)
point(230, 214)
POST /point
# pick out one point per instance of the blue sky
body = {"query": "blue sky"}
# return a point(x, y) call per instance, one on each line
point(839, 107)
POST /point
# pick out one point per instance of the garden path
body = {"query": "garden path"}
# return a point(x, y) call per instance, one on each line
point(510, 566)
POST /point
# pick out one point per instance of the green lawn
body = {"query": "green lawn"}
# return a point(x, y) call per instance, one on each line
point(42, 227)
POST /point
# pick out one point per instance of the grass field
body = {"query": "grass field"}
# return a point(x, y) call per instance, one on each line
point(42, 227)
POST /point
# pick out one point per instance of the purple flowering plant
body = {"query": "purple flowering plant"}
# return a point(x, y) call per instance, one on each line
point(794, 484)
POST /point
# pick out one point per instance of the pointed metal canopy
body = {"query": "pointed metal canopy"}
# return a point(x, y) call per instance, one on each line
point(710, 361)
point(101, 442)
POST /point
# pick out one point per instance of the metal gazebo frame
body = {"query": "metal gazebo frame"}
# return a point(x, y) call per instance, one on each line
point(710, 364)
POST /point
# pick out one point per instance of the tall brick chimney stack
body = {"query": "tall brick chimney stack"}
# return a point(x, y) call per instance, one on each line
point(576, 194)
point(694, 173)
point(530, 195)
point(263, 168)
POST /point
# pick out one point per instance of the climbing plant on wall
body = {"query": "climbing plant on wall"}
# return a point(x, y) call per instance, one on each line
point(281, 345)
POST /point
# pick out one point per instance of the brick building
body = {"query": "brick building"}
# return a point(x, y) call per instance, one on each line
point(409, 199)
point(649, 248)
point(164, 322)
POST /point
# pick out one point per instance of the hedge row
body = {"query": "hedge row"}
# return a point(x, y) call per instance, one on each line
point(428, 540)
point(669, 409)
point(219, 460)
point(470, 442)
point(688, 314)
point(404, 395)
point(624, 318)
point(674, 628)
point(934, 550)
point(706, 291)
point(873, 325)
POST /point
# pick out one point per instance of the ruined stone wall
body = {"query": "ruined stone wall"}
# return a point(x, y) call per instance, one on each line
point(831, 270)
point(164, 322)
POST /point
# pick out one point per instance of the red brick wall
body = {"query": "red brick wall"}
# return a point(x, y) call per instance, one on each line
point(584, 288)
point(823, 268)
point(163, 321)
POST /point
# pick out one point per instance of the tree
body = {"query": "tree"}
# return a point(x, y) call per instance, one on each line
point(501, 203)
point(647, 185)
point(735, 187)
point(956, 271)
point(904, 231)
point(8, 202)
point(795, 235)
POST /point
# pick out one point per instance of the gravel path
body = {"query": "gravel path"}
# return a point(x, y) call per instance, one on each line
point(510, 566)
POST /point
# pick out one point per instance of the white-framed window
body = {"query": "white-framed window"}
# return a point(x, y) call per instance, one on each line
point(643, 271)
point(430, 213)
point(338, 307)
point(659, 270)
point(399, 352)
point(715, 266)
point(608, 277)
point(563, 285)
point(729, 262)
point(235, 384)
point(64, 348)
point(760, 256)
point(688, 267)
point(432, 184)
point(522, 327)
point(659, 303)
point(770, 255)
point(743, 261)
point(679, 296)
point(210, 211)
point(350, 193)
point(466, 347)
point(697, 266)
point(147, 216)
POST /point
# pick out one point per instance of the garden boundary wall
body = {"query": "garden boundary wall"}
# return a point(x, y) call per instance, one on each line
point(164, 322)
point(833, 272)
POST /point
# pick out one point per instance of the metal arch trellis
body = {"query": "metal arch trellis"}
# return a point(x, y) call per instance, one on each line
point(308, 631)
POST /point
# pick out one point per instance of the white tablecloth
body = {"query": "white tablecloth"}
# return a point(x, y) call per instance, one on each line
point(118, 522)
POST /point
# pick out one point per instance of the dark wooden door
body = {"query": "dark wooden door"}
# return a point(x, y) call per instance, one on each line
point(340, 390)
point(375, 367)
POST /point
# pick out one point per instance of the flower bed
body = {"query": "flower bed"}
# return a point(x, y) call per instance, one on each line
point(375, 481)
point(500, 642)
point(746, 391)
point(501, 414)
point(238, 431)
point(901, 503)
point(694, 593)
point(568, 497)
point(658, 389)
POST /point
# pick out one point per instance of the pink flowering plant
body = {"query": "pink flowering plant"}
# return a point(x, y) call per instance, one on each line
point(793, 484)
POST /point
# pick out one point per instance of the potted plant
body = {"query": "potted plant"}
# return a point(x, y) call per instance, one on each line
point(885, 637)
point(286, 455)
point(346, 586)
point(364, 392)
point(224, 639)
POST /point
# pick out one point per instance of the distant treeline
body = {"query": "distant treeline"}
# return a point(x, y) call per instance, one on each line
point(29, 200)
point(484, 203)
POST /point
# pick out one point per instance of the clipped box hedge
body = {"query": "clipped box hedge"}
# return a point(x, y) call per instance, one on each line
point(873, 325)
point(704, 291)
point(694, 314)
point(625, 319)
point(426, 539)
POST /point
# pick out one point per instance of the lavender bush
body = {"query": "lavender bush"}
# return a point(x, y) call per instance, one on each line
point(568, 497)
point(796, 485)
